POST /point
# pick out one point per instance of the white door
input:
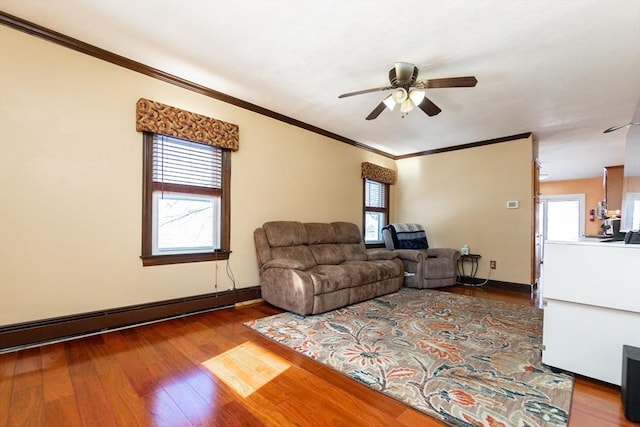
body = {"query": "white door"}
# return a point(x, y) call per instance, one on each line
point(562, 217)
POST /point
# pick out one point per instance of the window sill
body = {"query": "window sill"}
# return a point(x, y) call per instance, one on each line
point(150, 260)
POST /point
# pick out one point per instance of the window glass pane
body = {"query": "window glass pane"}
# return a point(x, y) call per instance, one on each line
point(373, 223)
point(630, 211)
point(185, 223)
point(563, 220)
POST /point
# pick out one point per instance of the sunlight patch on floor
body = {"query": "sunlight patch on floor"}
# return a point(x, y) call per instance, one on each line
point(246, 367)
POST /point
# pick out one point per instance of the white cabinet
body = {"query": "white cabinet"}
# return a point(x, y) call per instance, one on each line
point(592, 306)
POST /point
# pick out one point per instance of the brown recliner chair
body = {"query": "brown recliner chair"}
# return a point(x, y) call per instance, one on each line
point(424, 267)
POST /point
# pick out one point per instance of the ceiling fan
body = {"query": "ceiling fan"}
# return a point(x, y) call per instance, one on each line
point(409, 92)
point(614, 128)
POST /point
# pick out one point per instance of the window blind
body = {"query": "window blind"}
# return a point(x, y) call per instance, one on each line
point(186, 163)
point(375, 193)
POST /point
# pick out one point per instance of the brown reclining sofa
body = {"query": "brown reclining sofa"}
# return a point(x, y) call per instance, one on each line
point(310, 268)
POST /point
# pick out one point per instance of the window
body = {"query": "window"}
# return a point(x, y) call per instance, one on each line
point(630, 212)
point(376, 210)
point(186, 203)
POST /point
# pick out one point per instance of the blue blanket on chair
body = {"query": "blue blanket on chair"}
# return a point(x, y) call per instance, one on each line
point(408, 236)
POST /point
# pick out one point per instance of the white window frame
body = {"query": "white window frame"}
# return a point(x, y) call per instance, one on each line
point(215, 237)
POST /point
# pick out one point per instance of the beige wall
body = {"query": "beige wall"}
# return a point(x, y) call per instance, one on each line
point(460, 197)
point(70, 188)
point(70, 184)
point(593, 190)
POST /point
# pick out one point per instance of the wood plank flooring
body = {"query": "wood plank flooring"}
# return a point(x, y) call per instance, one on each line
point(153, 375)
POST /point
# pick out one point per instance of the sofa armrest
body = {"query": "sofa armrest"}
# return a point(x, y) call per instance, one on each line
point(380, 254)
point(283, 263)
point(452, 254)
point(413, 255)
point(288, 288)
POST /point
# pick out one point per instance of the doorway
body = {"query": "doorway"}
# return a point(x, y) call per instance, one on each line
point(559, 217)
point(562, 217)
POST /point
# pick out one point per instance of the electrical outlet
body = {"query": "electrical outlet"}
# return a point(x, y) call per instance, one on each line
point(492, 264)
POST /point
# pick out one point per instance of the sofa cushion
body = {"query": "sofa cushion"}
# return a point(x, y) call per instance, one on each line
point(373, 271)
point(285, 233)
point(327, 253)
point(301, 255)
point(354, 251)
point(329, 278)
point(363, 272)
point(320, 233)
point(347, 232)
point(391, 268)
point(350, 241)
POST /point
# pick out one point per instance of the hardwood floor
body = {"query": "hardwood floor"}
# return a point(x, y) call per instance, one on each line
point(154, 375)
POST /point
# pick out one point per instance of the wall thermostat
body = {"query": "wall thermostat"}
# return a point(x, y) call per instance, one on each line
point(513, 204)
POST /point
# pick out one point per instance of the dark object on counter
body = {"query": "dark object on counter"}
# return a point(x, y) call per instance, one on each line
point(630, 388)
point(632, 238)
point(618, 237)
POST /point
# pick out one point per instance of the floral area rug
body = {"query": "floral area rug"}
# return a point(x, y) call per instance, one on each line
point(466, 361)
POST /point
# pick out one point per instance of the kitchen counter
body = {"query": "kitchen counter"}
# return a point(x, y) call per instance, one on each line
point(592, 306)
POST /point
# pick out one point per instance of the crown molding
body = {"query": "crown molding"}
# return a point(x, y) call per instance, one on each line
point(96, 52)
point(465, 146)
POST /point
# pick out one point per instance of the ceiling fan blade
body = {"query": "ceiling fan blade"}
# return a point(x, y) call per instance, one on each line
point(468, 81)
point(360, 92)
point(429, 107)
point(376, 111)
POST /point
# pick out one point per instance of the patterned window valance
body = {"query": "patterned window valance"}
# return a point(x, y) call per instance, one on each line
point(163, 119)
point(378, 173)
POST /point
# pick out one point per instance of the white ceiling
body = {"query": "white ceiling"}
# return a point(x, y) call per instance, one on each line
point(563, 70)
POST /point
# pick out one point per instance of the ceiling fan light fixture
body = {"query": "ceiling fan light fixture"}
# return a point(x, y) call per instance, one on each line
point(389, 102)
point(400, 95)
point(416, 96)
point(406, 106)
